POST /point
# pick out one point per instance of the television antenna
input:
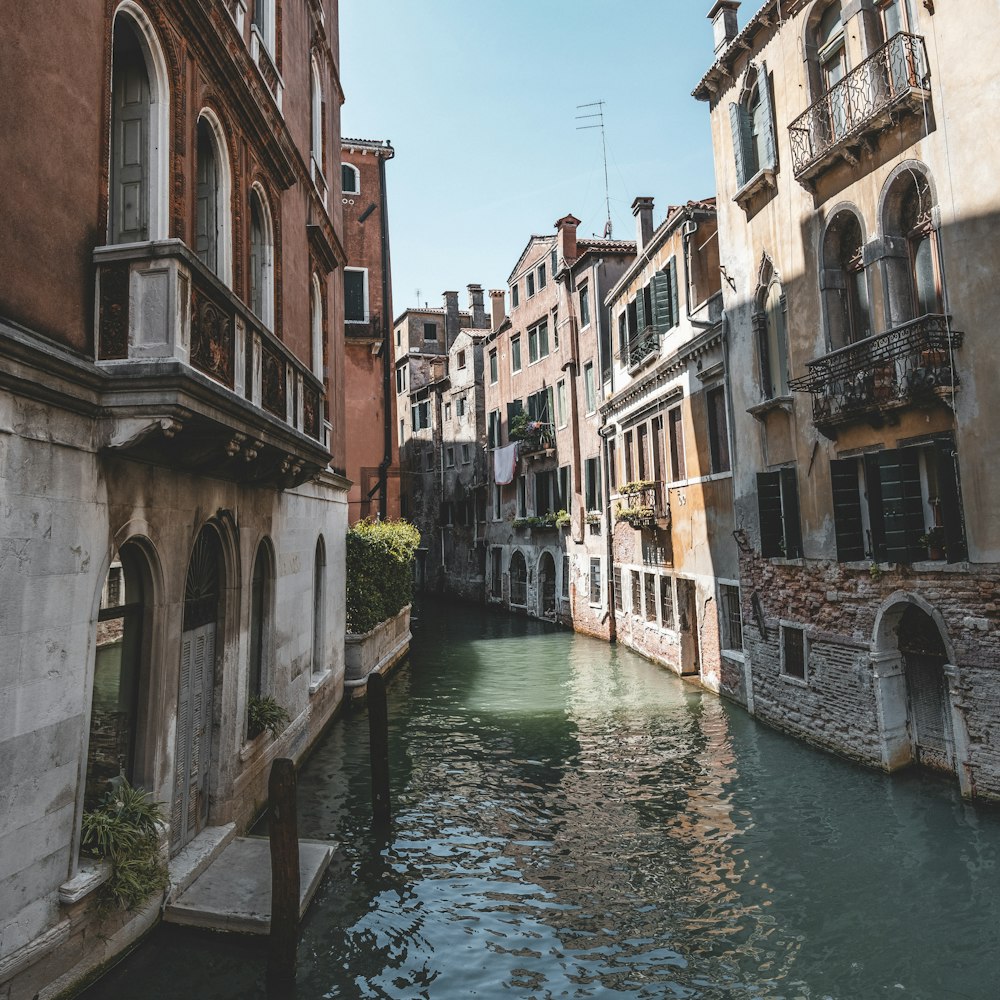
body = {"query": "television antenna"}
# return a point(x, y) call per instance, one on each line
point(598, 118)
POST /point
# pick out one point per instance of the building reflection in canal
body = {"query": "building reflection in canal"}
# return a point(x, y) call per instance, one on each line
point(572, 821)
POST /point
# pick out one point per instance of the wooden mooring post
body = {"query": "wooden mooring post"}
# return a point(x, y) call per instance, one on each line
point(283, 826)
point(378, 738)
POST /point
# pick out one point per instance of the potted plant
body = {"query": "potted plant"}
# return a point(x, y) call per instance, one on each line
point(933, 541)
point(264, 713)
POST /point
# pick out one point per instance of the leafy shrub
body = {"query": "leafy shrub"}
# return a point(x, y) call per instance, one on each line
point(123, 830)
point(379, 571)
point(265, 713)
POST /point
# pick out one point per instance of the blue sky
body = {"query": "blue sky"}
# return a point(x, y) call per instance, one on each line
point(479, 102)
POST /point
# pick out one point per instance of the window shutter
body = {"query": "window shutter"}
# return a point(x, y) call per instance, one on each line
point(902, 505)
point(642, 320)
point(622, 336)
point(767, 113)
point(847, 510)
point(548, 414)
point(769, 509)
point(533, 406)
point(951, 504)
point(661, 302)
point(675, 316)
point(790, 513)
point(737, 119)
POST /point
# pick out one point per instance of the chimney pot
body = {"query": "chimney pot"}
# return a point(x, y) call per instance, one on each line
point(642, 209)
point(498, 308)
point(723, 18)
point(476, 307)
point(566, 227)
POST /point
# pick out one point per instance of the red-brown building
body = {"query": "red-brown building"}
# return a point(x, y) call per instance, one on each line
point(370, 400)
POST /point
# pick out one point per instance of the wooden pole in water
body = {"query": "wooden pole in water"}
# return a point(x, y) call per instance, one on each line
point(378, 737)
point(284, 836)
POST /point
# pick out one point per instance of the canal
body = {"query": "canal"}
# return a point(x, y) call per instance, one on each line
point(572, 821)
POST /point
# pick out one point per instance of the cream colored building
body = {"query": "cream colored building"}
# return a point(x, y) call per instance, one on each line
point(857, 208)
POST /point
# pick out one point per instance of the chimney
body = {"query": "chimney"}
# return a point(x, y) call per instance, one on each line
point(498, 308)
point(450, 319)
point(476, 306)
point(642, 209)
point(723, 18)
point(566, 227)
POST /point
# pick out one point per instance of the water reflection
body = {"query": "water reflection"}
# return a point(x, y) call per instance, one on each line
point(571, 821)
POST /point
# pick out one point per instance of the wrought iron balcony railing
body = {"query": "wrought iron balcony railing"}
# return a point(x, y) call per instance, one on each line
point(912, 364)
point(643, 504)
point(642, 346)
point(893, 79)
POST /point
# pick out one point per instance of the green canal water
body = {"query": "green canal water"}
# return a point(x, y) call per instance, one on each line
point(572, 821)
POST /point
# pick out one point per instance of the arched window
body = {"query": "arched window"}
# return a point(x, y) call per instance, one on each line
point(209, 204)
point(350, 179)
point(319, 665)
point(914, 278)
point(317, 121)
point(119, 681)
point(317, 326)
point(138, 157)
point(261, 259)
point(261, 603)
point(831, 67)
point(845, 281)
point(263, 21)
point(771, 325)
point(752, 122)
point(518, 580)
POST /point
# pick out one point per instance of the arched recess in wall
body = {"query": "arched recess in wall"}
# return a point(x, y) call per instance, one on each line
point(261, 639)
point(139, 147)
point(261, 256)
point(844, 279)
point(319, 663)
point(316, 323)
point(518, 580)
point(770, 322)
point(213, 198)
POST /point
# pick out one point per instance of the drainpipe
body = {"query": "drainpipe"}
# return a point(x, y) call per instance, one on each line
point(387, 396)
point(604, 432)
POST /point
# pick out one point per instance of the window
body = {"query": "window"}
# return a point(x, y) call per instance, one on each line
point(515, 353)
point(899, 505)
point(494, 367)
point(449, 457)
point(793, 651)
point(399, 336)
point(466, 454)
point(522, 496)
point(447, 411)
point(752, 123)
point(778, 507)
point(649, 596)
point(561, 407)
point(496, 572)
point(628, 451)
point(584, 306)
point(518, 580)
point(718, 429)
point(592, 483)
point(460, 360)
point(316, 311)
point(554, 262)
point(540, 406)
point(493, 428)
point(730, 617)
point(538, 341)
point(616, 578)
point(497, 501)
point(460, 406)
point(401, 379)
point(675, 434)
point(514, 295)
point(771, 322)
point(844, 281)
point(530, 284)
point(319, 609)
point(564, 482)
point(355, 295)
point(429, 461)
point(541, 276)
point(564, 590)
point(260, 621)
point(420, 415)
point(263, 21)
point(316, 132)
point(546, 492)
point(209, 204)
point(430, 331)
point(350, 179)
point(589, 389)
point(139, 154)
point(261, 259)
point(636, 603)
point(667, 603)
point(595, 581)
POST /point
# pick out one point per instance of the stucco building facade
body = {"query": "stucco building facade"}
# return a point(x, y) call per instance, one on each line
point(171, 436)
point(857, 235)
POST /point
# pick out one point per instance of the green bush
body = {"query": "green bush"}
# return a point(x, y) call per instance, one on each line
point(265, 713)
point(379, 571)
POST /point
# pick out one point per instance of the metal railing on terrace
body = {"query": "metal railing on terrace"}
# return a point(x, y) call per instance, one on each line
point(912, 364)
point(893, 78)
point(641, 346)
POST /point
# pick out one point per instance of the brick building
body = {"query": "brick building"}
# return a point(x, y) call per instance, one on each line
point(370, 401)
point(857, 234)
point(674, 564)
point(172, 447)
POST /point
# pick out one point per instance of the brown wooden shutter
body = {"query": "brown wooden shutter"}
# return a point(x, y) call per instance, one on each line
point(847, 509)
point(790, 516)
point(902, 504)
point(769, 511)
point(952, 518)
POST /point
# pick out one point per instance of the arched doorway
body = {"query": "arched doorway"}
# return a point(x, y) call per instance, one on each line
point(518, 581)
point(928, 707)
point(192, 760)
point(546, 586)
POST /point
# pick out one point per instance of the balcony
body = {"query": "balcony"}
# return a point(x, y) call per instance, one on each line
point(642, 347)
point(643, 504)
point(910, 365)
point(892, 81)
point(199, 383)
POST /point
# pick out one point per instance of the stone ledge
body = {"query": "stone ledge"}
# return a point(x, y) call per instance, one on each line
point(34, 951)
point(89, 877)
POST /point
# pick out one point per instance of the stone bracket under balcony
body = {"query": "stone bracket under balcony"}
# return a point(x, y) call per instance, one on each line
point(911, 365)
point(893, 81)
point(194, 380)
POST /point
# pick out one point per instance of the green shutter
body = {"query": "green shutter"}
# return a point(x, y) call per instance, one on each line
point(790, 517)
point(550, 410)
point(951, 500)
point(640, 312)
point(661, 302)
point(737, 119)
point(533, 406)
point(847, 510)
point(902, 505)
point(767, 113)
point(675, 316)
point(769, 509)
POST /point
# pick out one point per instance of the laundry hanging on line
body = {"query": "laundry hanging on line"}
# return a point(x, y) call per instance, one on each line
point(504, 463)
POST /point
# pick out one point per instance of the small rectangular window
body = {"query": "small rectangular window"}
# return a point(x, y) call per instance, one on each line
point(460, 406)
point(515, 353)
point(793, 651)
point(493, 428)
point(355, 295)
point(429, 461)
point(400, 380)
point(466, 454)
point(564, 487)
point(430, 331)
point(514, 295)
point(496, 502)
point(731, 617)
point(616, 576)
point(649, 593)
point(718, 429)
point(447, 411)
point(589, 390)
point(592, 483)
point(530, 284)
point(666, 603)
point(595, 581)
point(675, 433)
point(494, 367)
point(778, 512)
point(460, 360)
point(450, 457)
point(584, 306)
point(541, 275)
point(636, 607)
